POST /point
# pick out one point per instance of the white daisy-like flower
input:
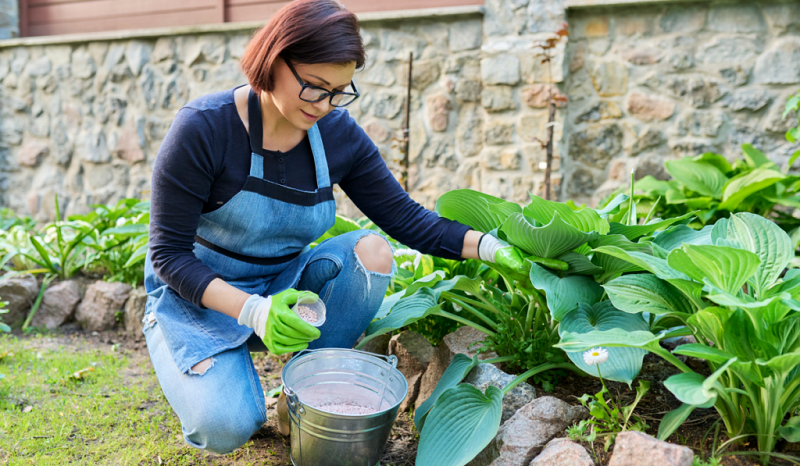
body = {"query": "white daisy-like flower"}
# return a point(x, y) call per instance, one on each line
point(595, 356)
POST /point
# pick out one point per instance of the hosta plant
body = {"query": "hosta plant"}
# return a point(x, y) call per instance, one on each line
point(728, 286)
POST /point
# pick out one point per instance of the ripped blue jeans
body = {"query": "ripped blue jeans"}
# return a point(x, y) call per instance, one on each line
point(220, 409)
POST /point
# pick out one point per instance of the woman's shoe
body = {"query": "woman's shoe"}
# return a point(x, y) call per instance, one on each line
point(283, 415)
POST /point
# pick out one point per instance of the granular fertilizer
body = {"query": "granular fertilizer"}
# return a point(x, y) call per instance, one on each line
point(346, 408)
point(307, 314)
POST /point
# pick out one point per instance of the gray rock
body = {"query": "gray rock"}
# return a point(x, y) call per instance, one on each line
point(774, 121)
point(502, 159)
point(743, 17)
point(137, 54)
point(750, 99)
point(378, 345)
point(388, 104)
point(698, 90)
point(499, 132)
point(602, 110)
point(119, 73)
point(210, 48)
point(545, 15)
point(21, 57)
point(651, 138)
point(19, 291)
point(83, 65)
point(681, 61)
point(39, 67)
point(610, 78)
point(380, 74)
point(582, 182)
point(596, 146)
point(95, 149)
point(735, 75)
point(498, 98)
point(563, 452)
point(501, 69)
point(690, 147)
point(101, 304)
point(32, 152)
point(58, 304)
point(522, 437)
point(134, 312)
point(466, 35)
point(468, 90)
point(397, 45)
point(414, 354)
point(114, 56)
point(640, 449)
point(681, 18)
point(729, 50)
point(701, 123)
point(780, 64)
point(164, 49)
point(652, 166)
point(484, 375)
point(469, 132)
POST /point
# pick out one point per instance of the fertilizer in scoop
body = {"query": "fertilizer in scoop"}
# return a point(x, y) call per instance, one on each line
point(307, 314)
point(310, 308)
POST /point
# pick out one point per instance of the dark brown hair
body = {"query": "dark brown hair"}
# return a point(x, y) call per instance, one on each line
point(304, 31)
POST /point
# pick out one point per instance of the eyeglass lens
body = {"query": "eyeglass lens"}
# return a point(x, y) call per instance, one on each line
point(312, 94)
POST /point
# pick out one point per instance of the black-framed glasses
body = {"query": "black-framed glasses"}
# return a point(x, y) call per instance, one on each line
point(310, 93)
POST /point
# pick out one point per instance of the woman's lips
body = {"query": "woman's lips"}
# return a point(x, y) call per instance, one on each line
point(310, 117)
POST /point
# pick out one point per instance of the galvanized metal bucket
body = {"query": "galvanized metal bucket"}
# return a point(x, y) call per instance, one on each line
point(316, 377)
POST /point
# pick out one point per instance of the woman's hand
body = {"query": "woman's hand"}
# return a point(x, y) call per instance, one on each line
point(279, 327)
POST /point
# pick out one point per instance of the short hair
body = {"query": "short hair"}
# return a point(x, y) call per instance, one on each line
point(306, 32)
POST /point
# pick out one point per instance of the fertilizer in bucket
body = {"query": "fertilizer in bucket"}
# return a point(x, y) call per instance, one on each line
point(342, 405)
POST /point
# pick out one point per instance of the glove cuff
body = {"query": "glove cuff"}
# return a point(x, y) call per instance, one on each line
point(488, 246)
point(254, 313)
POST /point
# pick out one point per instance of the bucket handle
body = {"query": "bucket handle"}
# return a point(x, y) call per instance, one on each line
point(391, 359)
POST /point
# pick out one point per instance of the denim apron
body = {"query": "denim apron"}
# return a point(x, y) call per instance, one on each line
point(255, 242)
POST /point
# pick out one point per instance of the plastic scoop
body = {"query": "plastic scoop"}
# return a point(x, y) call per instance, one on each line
point(310, 308)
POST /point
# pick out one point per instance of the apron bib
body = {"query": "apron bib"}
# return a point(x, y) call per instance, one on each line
point(260, 233)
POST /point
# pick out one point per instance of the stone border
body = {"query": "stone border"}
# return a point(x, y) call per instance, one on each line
point(426, 13)
point(580, 4)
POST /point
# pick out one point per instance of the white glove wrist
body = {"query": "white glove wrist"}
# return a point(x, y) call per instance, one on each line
point(254, 313)
point(488, 247)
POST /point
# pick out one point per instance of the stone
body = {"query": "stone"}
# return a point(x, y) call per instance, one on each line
point(603, 110)
point(505, 159)
point(377, 132)
point(780, 64)
point(639, 449)
point(750, 99)
point(679, 18)
point(378, 345)
point(83, 65)
point(700, 123)
point(649, 107)
point(651, 166)
point(735, 75)
point(582, 182)
point(650, 139)
point(738, 18)
point(39, 67)
point(532, 127)
point(596, 146)
point(100, 305)
point(469, 131)
point(414, 354)
point(137, 54)
point(499, 132)
point(774, 122)
point(501, 69)
point(729, 50)
point(545, 16)
point(468, 90)
point(388, 104)
point(484, 375)
point(19, 292)
point(591, 26)
point(437, 107)
point(380, 74)
point(396, 45)
point(610, 78)
point(58, 305)
point(502, 19)
point(32, 152)
point(440, 153)
point(563, 452)
point(681, 61)
point(498, 98)
point(697, 90)
point(134, 312)
point(164, 49)
point(643, 56)
point(578, 57)
point(11, 131)
point(119, 73)
point(521, 438)
point(782, 16)
point(464, 340)
point(690, 147)
point(465, 35)
point(209, 48)
point(128, 146)
point(95, 149)
point(538, 95)
point(114, 56)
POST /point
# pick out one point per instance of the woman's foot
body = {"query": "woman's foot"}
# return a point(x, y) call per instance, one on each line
point(283, 415)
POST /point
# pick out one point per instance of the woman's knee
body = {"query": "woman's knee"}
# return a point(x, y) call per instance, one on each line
point(221, 429)
point(375, 253)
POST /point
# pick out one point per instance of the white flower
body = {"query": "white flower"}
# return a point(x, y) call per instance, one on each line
point(595, 356)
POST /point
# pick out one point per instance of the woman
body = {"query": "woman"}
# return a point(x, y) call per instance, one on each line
point(241, 186)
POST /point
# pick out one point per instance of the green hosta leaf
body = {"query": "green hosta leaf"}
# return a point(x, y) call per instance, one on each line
point(708, 353)
point(655, 187)
point(796, 136)
point(564, 294)
point(760, 236)
point(638, 293)
point(613, 206)
point(710, 322)
point(425, 267)
point(715, 159)
point(643, 261)
point(459, 426)
point(742, 186)
point(612, 265)
point(340, 226)
point(476, 209)
point(694, 389)
point(782, 364)
point(391, 300)
point(739, 336)
point(127, 230)
point(405, 312)
point(791, 430)
point(138, 255)
point(586, 220)
point(701, 177)
point(679, 234)
point(623, 364)
point(672, 420)
point(458, 369)
point(633, 232)
point(615, 337)
point(755, 158)
point(4, 328)
point(549, 241)
point(725, 267)
point(579, 264)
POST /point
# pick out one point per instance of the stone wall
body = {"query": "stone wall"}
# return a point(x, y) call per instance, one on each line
point(84, 117)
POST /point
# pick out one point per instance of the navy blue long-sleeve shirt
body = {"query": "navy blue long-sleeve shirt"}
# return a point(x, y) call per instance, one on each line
point(205, 160)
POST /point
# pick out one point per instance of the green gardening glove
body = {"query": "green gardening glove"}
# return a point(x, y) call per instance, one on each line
point(276, 324)
point(491, 249)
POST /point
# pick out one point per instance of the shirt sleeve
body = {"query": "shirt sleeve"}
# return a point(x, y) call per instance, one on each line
point(183, 173)
point(373, 189)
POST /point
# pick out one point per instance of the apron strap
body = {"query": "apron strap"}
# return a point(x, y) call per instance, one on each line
point(320, 161)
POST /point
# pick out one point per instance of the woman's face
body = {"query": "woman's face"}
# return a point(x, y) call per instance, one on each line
point(286, 94)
